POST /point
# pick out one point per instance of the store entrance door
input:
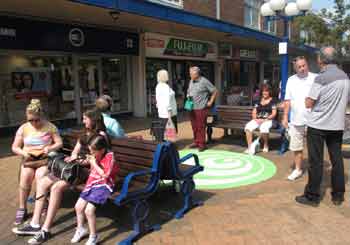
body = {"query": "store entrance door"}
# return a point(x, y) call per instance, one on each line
point(89, 77)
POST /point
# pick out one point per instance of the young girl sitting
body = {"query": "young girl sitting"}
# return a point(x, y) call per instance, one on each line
point(99, 187)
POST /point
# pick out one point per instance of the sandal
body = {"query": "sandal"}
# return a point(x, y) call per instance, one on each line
point(21, 216)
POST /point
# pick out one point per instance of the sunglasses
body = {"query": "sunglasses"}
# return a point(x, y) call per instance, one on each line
point(34, 120)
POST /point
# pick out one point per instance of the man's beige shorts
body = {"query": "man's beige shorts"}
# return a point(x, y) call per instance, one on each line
point(297, 134)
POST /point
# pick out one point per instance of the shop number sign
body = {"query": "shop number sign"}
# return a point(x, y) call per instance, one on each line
point(180, 47)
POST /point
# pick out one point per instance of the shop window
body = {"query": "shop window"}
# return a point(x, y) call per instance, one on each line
point(115, 82)
point(23, 77)
point(269, 26)
point(252, 13)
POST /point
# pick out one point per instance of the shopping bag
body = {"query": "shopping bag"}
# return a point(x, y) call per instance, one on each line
point(170, 131)
point(188, 104)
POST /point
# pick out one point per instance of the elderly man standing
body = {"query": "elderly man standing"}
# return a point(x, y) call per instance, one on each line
point(298, 87)
point(328, 98)
point(203, 94)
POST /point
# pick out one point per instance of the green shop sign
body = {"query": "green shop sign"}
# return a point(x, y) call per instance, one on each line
point(179, 47)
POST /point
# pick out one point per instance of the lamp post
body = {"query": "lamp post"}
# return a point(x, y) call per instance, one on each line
point(273, 11)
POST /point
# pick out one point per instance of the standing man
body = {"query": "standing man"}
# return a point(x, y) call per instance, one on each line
point(203, 94)
point(298, 87)
point(328, 98)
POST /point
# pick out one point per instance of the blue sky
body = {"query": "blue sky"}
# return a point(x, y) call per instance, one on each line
point(319, 4)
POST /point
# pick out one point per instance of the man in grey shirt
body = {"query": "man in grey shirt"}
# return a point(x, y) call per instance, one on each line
point(203, 94)
point(328, 98)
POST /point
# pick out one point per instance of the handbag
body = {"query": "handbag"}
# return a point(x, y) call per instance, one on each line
point(35, 161)
point(67, 171)
point(189, 104)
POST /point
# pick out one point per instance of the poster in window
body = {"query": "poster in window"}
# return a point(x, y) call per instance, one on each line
point(32, 83)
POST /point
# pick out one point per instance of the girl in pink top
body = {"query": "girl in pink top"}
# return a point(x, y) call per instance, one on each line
point(99, 187)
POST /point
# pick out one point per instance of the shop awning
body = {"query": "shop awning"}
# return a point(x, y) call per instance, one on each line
point(165, 13)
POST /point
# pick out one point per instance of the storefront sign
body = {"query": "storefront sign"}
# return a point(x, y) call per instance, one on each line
point(47, 36)
point(76, 37)
point(180, 47)
point(162, 46)
point(7, 32)
point(247, 53)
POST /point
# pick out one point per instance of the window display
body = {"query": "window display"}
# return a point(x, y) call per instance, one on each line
point(24, 77)
point(115, 82)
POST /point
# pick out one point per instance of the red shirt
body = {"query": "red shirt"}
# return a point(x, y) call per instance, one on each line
point(110, 168)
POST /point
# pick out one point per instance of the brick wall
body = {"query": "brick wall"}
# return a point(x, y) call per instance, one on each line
point(232, 11)
point(202, 7)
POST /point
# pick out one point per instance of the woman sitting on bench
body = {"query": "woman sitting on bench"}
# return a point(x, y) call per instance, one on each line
point(33, 141)
point(93, 123)
point(262, 115)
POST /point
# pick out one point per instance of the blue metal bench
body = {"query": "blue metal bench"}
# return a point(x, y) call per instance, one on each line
point(174, 168)
point(140, 163)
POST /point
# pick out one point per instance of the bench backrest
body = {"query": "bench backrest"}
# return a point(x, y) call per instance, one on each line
point(239, 114)
point(134, 155)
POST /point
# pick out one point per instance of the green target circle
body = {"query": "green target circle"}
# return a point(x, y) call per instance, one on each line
point(225, 169)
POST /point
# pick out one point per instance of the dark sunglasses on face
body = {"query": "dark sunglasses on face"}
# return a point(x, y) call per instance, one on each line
point(34, 120)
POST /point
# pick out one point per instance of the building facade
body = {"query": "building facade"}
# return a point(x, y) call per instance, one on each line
point(70, 53)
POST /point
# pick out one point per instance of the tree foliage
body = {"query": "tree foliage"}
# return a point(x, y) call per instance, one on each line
point(329, 27)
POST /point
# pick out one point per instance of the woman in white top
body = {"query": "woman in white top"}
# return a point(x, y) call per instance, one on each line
point(166, 103)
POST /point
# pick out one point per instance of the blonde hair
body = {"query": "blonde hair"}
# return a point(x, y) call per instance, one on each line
point(162, 76)
point(34, 107)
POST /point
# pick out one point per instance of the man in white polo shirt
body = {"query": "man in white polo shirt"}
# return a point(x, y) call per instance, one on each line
point(298, 87)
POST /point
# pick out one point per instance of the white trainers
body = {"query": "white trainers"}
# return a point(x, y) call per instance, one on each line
point(92, 240)
point(295, 174)
point(79, 234)
point(266, 149)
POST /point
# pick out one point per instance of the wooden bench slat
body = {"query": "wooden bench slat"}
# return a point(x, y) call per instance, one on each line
point(134, 160)
point(133, 152)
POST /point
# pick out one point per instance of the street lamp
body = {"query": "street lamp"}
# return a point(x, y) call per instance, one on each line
point(272, 11)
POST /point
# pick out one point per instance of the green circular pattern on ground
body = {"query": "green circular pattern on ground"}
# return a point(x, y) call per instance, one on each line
point(225, 169)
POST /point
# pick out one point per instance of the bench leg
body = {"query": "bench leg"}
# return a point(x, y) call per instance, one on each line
point(187, 189)
point(140, 214)
point(209, 134)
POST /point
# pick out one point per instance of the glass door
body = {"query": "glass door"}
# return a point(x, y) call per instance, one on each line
point(89, 78)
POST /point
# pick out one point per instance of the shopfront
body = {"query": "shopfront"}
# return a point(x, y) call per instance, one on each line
point(65, 66)
point(242, 75)
point(176, 55)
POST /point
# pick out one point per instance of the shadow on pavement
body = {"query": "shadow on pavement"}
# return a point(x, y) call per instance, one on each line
point(164, 204)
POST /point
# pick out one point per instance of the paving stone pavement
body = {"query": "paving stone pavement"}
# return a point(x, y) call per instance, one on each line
point(263, 213)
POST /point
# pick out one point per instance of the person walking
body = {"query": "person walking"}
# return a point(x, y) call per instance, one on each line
point(298, 87)
point(203, 94)
point(328, 98)
point(166, 103)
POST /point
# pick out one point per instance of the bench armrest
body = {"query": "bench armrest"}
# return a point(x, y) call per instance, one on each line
point(130, 176)
point(189, 156)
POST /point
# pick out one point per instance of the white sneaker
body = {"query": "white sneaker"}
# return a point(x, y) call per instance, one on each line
point(266, 149)
point(79, 234)
point(92, 240)
point(295, 174)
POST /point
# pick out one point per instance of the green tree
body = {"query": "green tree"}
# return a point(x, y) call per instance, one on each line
point(329, 27)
